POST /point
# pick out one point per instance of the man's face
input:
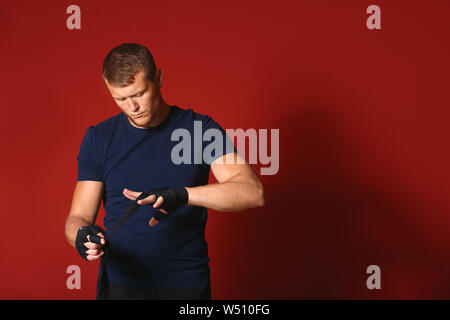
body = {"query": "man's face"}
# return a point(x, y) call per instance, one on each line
point(139, 101)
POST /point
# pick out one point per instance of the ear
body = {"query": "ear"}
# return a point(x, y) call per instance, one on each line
point(159, 77)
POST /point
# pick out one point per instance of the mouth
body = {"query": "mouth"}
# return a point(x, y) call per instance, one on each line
point(137, 116)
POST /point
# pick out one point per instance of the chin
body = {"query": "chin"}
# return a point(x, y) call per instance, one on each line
point(142, 121)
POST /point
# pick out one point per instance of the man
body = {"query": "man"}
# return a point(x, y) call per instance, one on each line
point(160, 252)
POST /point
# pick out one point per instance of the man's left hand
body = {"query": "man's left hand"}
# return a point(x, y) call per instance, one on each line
point(166, 199)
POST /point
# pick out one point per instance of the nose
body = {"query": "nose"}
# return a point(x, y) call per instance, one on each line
point(132, 105)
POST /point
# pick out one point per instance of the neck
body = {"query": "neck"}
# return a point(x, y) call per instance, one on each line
point(162, 114)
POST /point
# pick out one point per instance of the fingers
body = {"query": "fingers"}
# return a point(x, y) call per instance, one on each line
point(96, 238)
point(102, 238)
point(99, 238)
point(153, 222)
point(94, 251)
point(91, 245)
point(159, 202)
point(94, 257)
point(132, 195)
point(148, 200)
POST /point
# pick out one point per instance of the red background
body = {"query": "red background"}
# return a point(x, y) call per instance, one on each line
point(364, 138)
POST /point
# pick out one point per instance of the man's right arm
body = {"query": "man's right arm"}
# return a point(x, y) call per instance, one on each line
point(86, 201)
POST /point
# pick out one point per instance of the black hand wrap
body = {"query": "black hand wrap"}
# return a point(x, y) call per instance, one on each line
point(173, 199)
point(81, 239)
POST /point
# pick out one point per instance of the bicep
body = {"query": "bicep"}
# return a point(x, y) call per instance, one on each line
point(224, 169)
point(86, 200)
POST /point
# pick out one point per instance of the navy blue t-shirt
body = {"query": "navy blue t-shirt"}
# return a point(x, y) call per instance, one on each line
point(174, 253)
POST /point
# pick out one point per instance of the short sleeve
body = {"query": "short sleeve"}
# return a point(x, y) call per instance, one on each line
point(89, 167)
point(216, 142)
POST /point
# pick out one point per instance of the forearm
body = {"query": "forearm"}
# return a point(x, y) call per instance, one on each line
point(235, 194)
point(74, 223)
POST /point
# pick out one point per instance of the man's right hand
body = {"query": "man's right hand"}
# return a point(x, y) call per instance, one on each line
point(89, 242)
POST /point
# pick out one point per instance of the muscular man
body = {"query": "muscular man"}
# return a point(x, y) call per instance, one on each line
point(160, 252)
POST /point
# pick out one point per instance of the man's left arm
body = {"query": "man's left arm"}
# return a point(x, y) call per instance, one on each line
point(238, 187)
